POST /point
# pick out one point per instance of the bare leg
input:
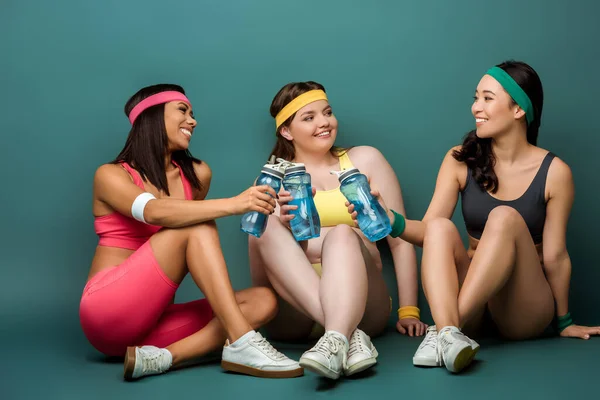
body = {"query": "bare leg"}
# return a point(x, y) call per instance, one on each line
point(289, 324)
point(347, 286)
point(444, 266)
point(506, 272)
point(197, 249)
point(288, 269)
point(258, 306)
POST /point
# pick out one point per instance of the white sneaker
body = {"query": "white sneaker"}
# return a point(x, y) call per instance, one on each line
point(427, 354)
point(474, 345)
point(328, 356)
point(146, 360)
point(362, 354)
point(254, 355)
point(455, 349)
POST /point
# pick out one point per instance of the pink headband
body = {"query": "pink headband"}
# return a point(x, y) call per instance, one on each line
point(159, 98)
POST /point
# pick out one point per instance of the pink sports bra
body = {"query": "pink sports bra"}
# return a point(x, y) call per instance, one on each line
point(118, 230)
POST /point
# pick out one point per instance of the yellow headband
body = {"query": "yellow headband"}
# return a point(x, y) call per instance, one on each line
point(296, 104)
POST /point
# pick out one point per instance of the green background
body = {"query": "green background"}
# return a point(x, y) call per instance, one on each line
point(400, 76)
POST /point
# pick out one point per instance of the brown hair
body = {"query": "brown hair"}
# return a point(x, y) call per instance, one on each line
point(284, 148)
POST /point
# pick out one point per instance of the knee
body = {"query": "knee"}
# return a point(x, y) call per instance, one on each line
point(275, 231)
point(439, 228)
point(201, 230)
point(341, 234)
point(505, 219)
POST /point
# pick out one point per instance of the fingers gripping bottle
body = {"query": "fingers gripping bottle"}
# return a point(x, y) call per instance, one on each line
point(371, 217)
point(253, 222)
point(306, 223)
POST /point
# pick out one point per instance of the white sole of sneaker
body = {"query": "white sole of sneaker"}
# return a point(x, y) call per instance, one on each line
point(260, 373)
point(426, 362)
point(364, 364)
point(360, 366)
point(463, 359)
point(319, 369)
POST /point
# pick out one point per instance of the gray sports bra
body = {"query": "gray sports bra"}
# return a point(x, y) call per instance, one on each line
point(477, 204)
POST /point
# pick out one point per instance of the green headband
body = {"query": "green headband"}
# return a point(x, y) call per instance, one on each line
point(514, 90)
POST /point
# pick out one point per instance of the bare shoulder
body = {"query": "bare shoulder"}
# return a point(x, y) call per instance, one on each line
point(559, 175)
point(109, 172)
point(450, 154)
point(203, 171)
point(453, 167)
point(451, 162)
point(364, 152)
point(365, 156)
point(560, 168)
point(109, 181)
point(204, 174)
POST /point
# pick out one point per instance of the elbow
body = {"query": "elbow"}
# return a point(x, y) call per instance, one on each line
point(153, 214)
point(557, 260)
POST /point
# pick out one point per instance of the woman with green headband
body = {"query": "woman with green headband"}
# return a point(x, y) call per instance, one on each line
point(516, 200)
point(331, 286)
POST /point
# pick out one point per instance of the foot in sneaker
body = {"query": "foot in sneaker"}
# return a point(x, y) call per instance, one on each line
point(146, 360)
point(253, 355)
point(328, 356)
point(427, 354)
point(455, 349)
point(362, 354)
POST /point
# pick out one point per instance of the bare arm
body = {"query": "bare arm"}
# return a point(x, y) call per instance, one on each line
point(113, 186)
point(442, 203)
point(557, 263)
point(383, 179)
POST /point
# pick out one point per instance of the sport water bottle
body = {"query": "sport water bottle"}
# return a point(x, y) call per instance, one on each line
point(253, 222)
point(371, 217)
point(306, 223)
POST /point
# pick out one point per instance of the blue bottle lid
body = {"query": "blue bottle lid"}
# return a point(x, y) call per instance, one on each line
point(273, 170)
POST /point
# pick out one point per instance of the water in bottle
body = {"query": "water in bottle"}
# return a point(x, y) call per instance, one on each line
point(253, 222)
point(306, 223)
point(371, 217)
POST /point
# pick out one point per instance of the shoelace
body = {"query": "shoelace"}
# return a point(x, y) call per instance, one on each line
point(151, 361)
point(355, 344)
point(430, 340)
point(268, 349)
point(328, 345)
point(445, 339)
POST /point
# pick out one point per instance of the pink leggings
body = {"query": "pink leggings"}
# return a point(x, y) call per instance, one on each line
point(129, 305)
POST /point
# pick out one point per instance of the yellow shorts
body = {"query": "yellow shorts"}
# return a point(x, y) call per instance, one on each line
point(318, 330)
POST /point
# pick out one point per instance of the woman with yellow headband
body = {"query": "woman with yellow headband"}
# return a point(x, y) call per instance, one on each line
point(516, 201)
point(334, 282)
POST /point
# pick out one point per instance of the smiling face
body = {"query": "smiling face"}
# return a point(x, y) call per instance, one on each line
point(313, 128)
point(494, 110)
point(180, 124)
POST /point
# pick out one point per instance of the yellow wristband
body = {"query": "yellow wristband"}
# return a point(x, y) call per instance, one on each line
point(409, 312)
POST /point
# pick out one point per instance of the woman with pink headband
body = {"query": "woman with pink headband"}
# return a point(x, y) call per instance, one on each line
point(154, 226)
point(332, 286)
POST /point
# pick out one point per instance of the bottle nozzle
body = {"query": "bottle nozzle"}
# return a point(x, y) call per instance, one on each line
point(284, 164)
